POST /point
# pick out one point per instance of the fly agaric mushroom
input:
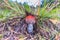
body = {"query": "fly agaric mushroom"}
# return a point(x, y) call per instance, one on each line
point(30, 20)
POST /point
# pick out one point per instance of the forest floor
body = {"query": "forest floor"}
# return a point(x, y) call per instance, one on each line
point(14, 29)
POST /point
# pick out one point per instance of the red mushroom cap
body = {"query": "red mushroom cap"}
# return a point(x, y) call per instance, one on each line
point(30, 19)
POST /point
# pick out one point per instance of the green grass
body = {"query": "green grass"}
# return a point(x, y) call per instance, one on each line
point(12, 9)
